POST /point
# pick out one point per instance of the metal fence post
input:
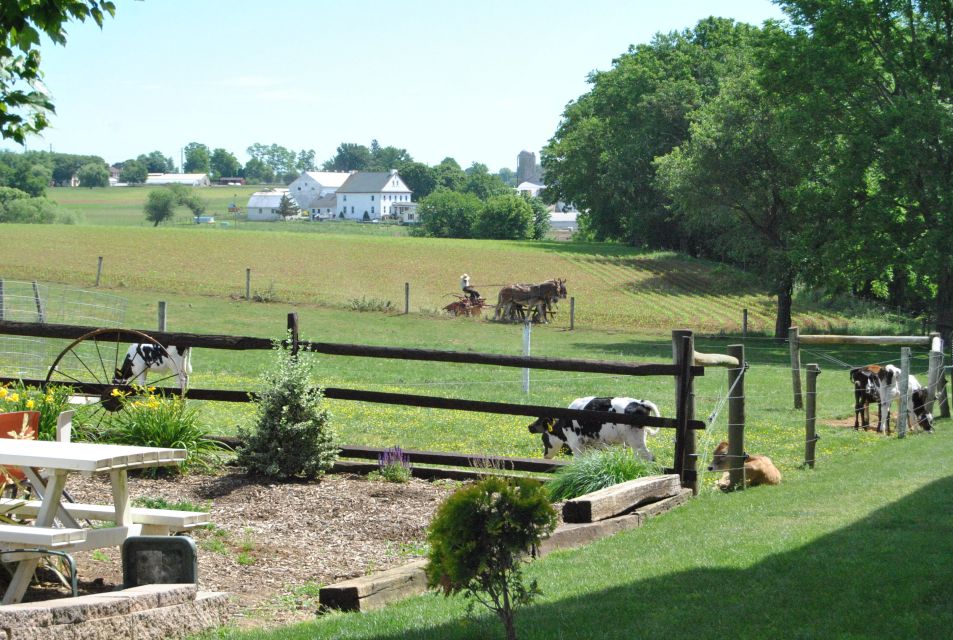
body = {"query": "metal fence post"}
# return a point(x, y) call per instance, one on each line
point(810, 419)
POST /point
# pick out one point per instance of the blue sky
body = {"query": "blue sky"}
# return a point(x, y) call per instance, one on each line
point(478, 81)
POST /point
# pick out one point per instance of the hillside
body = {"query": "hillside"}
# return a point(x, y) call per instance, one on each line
point(615, 287)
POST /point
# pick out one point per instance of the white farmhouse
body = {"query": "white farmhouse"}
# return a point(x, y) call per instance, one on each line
point(264, 205)
point(368, 196)
point(188, 179)
point(314, 185)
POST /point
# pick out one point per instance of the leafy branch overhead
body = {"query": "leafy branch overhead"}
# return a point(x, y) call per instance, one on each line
point(24, 101)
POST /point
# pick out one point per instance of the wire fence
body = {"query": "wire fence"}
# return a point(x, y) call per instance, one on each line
point(49, 303)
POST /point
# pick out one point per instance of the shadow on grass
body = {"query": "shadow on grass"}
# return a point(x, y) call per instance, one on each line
point(889, 575)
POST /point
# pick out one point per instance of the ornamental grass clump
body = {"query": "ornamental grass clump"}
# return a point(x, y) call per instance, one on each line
point(481, 536)
point(597, 469)
point(293, 437)
point(150, 419)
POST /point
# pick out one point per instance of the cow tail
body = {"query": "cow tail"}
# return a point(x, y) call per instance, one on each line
point(653, 411)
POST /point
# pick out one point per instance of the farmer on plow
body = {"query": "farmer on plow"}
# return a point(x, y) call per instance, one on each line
point(470, 292)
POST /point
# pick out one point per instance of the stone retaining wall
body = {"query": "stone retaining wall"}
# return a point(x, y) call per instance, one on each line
point(149, 612)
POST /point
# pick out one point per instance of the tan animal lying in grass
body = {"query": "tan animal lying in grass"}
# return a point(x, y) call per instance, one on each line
point(758, 469)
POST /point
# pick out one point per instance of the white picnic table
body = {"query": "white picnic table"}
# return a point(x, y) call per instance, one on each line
point(58, 460)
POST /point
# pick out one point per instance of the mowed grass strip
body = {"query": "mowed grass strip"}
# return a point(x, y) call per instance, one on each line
point(857, 548)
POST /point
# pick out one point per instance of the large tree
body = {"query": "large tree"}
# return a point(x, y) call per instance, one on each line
point(879, 76)
point(349, 157)
point(224, 164)
point(196, 158)
point(448, 214)
point(505, 217)
point(601, 156)
point(25, 101)
point(160, 206)
point(155, 162)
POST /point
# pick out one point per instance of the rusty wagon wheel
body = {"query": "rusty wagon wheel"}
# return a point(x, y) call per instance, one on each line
point(89, 364)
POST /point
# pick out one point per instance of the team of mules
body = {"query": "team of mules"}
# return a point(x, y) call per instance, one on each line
point(518, 302)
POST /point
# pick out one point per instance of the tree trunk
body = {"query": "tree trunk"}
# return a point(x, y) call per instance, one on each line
point(785, 298)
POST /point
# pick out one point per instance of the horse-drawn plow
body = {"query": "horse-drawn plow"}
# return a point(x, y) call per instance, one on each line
point(515, 302)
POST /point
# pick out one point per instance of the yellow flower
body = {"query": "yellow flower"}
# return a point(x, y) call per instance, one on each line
point(30, 404)
point(14, 397)
point(151, 389)
point(49, 398)
point(3, 392)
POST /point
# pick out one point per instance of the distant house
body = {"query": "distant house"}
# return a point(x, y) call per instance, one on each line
point(529, 188)
point(323, 208)
point(404, 212)
point(264, 205)
point(188, 179)
point(311, 186)
point(368, 196)
point(563, 216)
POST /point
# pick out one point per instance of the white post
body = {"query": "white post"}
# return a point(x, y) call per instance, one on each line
point(526, 336)
point(904, 390)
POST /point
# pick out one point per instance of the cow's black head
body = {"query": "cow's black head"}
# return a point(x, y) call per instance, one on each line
point(924, 418)
point(552, 435)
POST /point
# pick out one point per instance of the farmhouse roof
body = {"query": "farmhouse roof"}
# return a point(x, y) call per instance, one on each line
point(365, 182)
point(329, 178)
point(327, 202)
point(264, 199)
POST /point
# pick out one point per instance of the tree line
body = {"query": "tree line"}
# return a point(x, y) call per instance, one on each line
point(814, 150)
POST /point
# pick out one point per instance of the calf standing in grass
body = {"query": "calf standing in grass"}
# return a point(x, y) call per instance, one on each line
point(866, 393)
point(143, 358)
point(757, 469)
point(889, 378)
point(580, 434)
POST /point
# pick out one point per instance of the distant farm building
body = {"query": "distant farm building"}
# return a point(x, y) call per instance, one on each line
point(231, 181)
point(187, 179)
point(312, 186)
point(323, 208)
point(368, 196)
point(264, 205)
point(530, 189)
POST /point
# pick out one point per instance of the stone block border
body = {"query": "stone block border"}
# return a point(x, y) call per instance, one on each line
point(149, 612)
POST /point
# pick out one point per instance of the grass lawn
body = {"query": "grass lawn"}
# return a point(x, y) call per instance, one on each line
point(858, 548)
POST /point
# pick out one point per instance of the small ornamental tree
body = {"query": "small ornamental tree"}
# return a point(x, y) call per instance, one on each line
point(288, 208)
point(479, 539)
point(293, 437)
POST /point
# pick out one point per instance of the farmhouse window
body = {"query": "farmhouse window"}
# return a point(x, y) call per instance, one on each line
point(372, 209)
point(372, 198)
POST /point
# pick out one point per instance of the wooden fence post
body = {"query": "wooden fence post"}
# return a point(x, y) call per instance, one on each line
point(810, 424)
point(736, 417)
point(99, 270)
point(685, 463)
point(248, 283)
point(162, 316)
point(406, 298)
point(527, 331)
point(293, 330)
point(1, 298)
point(935, 372)
point(572, 313)
point(744, 324)
point(795, 366)
point(40, 312)
point(904, 385)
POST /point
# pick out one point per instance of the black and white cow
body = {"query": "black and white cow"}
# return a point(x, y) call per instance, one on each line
point(143, 358)
point(866, 393)
point(889, 377)
point(580, 434)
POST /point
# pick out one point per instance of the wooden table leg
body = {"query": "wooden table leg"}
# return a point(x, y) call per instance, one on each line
point(119, 480)
point(25, 568)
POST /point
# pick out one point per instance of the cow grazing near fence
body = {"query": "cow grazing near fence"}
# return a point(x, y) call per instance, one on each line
point(142, 358)
point(866, 392)
point(889, 377)
point(757, 469)
point(580, 434)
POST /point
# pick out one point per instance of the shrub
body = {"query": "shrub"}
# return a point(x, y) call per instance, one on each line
point(152, 420)
point(50, 403)
point(597, 469)
point(293, 435)
point(479, 539)
point(374, 304)
point(393, 466)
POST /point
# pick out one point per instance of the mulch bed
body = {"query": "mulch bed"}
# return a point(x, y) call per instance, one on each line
point(272, 543)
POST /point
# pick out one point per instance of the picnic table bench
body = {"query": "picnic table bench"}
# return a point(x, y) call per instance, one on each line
point(153, 522)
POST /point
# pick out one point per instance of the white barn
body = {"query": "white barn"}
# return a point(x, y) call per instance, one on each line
point(264, 205)
point(368, 196)
point(314, 185)
point(188, 179)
